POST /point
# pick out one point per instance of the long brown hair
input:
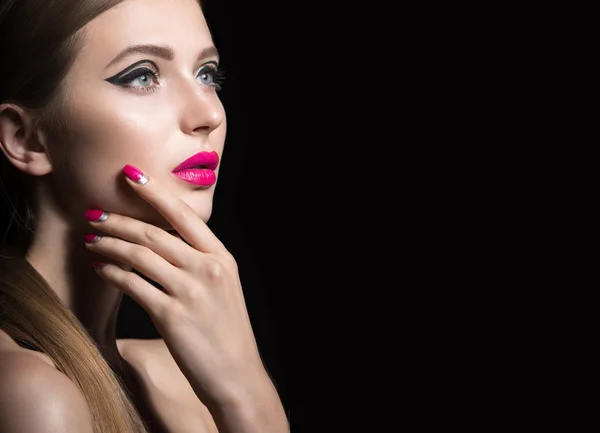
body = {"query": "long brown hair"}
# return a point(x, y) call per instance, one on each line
point(39, 40)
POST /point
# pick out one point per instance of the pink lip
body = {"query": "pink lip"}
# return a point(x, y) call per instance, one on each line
point(198, 169)
point(209, 159)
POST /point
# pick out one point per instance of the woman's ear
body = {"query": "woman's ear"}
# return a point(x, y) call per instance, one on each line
point(23, 146)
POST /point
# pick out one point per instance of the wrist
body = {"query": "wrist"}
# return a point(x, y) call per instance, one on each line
point(237, 391)
point(252, 407)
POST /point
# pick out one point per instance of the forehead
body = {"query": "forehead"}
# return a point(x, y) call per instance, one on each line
point(177, 23)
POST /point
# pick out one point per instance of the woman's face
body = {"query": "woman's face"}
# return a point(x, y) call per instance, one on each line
point(153, 122)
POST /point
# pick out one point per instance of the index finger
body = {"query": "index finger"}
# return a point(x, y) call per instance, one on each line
point(177, 212)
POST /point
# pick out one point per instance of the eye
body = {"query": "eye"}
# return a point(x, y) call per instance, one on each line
point(141, 79)
point(207, 76)
point(145, 80)
point(211, 75)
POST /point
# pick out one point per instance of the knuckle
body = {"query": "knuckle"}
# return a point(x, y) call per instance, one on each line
point(153, 234)
point(230, 261)
point(215, 270)
point(140, 254)
point(130, 282)
point(187, 212)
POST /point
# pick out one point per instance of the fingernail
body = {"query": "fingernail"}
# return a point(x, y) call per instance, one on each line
point(90, 238)
point(96, 215)
point(98, 265)
point(135, 174)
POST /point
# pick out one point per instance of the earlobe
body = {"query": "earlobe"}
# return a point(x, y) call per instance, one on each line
point(20, 143)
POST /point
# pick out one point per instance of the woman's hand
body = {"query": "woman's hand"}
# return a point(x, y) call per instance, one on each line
point(201, 314)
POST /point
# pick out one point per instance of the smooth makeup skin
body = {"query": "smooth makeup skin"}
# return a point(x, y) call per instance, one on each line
point(111, 125)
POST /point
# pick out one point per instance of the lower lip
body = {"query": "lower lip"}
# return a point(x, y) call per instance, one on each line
point(197, 176)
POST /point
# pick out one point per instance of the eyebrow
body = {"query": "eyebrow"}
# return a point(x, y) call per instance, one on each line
point(163, 52)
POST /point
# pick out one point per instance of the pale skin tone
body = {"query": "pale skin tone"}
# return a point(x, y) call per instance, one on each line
point(111, 126)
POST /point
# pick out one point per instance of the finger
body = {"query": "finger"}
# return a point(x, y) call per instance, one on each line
point(177, 212)
point(148, 297)
point(138, 257)
point(170, 247)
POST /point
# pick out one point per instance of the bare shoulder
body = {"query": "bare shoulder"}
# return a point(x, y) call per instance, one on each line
point(35, 397)
point(8, 345)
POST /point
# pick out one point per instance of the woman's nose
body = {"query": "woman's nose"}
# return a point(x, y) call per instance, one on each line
point(203, 112)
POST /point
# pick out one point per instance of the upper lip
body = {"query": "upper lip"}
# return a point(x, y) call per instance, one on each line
point(208, 160)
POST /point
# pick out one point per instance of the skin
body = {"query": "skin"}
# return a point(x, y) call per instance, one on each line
point(109, 127)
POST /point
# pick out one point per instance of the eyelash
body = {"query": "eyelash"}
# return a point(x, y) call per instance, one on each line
point(218, 78)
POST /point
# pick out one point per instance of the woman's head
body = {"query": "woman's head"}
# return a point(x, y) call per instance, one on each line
point(75, 109)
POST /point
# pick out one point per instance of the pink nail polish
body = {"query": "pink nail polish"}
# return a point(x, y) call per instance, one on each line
point(98, 265)
point(91, 238)
point(96, 215)
point(135, 174)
